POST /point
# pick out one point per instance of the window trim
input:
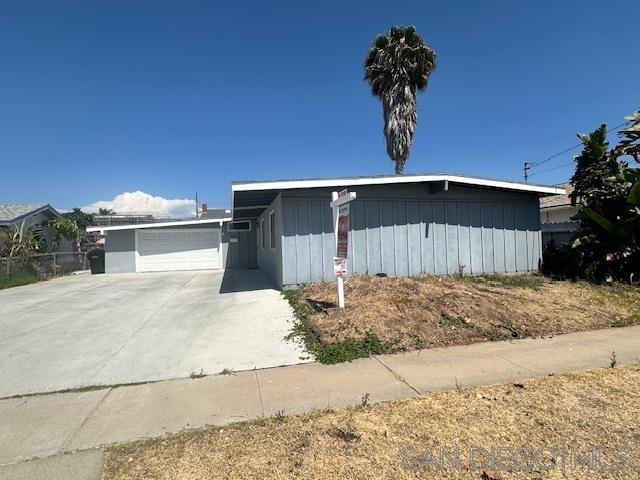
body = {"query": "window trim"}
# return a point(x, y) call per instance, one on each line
point(231, 229)
point(272, 228)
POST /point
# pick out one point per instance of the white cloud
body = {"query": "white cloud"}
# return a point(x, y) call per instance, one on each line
point(143, 203)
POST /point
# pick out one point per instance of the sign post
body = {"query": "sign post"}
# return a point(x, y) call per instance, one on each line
point(341, 209)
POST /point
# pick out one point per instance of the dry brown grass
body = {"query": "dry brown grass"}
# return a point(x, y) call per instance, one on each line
point(598, 409)
point(433, 311)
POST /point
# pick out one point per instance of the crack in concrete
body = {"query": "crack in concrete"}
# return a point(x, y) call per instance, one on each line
point(86, 418)
point(397, 375)
point(255, 373)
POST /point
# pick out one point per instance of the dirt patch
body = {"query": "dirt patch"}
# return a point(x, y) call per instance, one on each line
point(596, 411)
point(434, 311)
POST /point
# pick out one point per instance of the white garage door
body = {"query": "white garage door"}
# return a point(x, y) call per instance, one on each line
point(184, 249)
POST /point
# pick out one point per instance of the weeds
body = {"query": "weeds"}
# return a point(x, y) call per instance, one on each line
point(447, 320)
point(347, 433)
point(279, 416)
point(17, 279)
point(226, 371)
point(495, 335)
point(516, 281)
point(199, 374)
point(350, 350)
point(333, 353)
point(365, 400)
point(613, 361)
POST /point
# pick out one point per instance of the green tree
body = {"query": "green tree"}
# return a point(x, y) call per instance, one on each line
point(80, 218)
point(62, 227)
point(106, 211)
point(607, 244)
point(397, 66)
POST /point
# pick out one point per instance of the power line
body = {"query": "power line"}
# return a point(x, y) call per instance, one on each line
point(528, 166)
point(551, 169)
point(532, 165)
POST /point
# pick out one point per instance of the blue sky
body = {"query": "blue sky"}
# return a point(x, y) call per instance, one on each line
point(170, 98)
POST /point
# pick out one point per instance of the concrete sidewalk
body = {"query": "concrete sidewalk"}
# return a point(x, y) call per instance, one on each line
point(46, 425)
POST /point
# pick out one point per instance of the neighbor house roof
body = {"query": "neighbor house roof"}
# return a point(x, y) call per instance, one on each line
point(13, 213)
point(558, 201)
point(252, 197)
point(156, 225)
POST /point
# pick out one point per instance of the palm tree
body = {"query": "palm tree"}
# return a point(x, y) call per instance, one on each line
point(397, 66)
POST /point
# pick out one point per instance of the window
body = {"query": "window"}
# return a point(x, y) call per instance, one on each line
point(272, 229)
point(243, 226)
point(262, 233)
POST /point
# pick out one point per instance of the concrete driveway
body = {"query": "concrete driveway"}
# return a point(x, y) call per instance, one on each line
point(88, 330)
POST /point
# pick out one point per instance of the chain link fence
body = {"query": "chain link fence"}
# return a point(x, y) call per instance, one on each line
point(22, 270)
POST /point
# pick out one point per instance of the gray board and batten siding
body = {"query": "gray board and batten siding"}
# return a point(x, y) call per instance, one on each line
point(405, 230)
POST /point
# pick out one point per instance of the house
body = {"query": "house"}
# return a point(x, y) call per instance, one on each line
point(399, 226)
point(556, 213)
point(12, 215)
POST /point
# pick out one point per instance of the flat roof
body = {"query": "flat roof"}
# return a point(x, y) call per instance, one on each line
point(157, 225)
point(243, 186)
point(257, 195)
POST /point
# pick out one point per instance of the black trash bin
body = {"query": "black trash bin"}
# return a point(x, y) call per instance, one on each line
point(96, 260)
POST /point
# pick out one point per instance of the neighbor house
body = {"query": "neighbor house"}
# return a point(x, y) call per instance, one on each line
point(556, 213)
point(400, 226)
point(13, 215)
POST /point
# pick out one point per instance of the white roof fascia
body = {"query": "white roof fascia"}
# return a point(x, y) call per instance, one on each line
point(158, 225)
point(339, 182)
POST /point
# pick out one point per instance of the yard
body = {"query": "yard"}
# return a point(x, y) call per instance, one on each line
point(399, 314)
point(570, 416)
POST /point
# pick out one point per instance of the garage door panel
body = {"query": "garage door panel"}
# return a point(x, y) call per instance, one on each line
point(195, 249)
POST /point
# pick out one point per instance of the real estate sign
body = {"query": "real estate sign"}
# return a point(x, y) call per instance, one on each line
point(339, 266)
point(343, 231)
point(340, 205)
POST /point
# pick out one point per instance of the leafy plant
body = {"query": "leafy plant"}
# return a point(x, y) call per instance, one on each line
point(607, 191)
point(350, 350)
point(62, 227)
point(80, 218)
point(397, 66)
point(18, 241)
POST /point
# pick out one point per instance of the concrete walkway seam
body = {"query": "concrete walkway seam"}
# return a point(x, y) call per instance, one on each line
point(86, 418)
point(255, 374)
point(397, 375)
